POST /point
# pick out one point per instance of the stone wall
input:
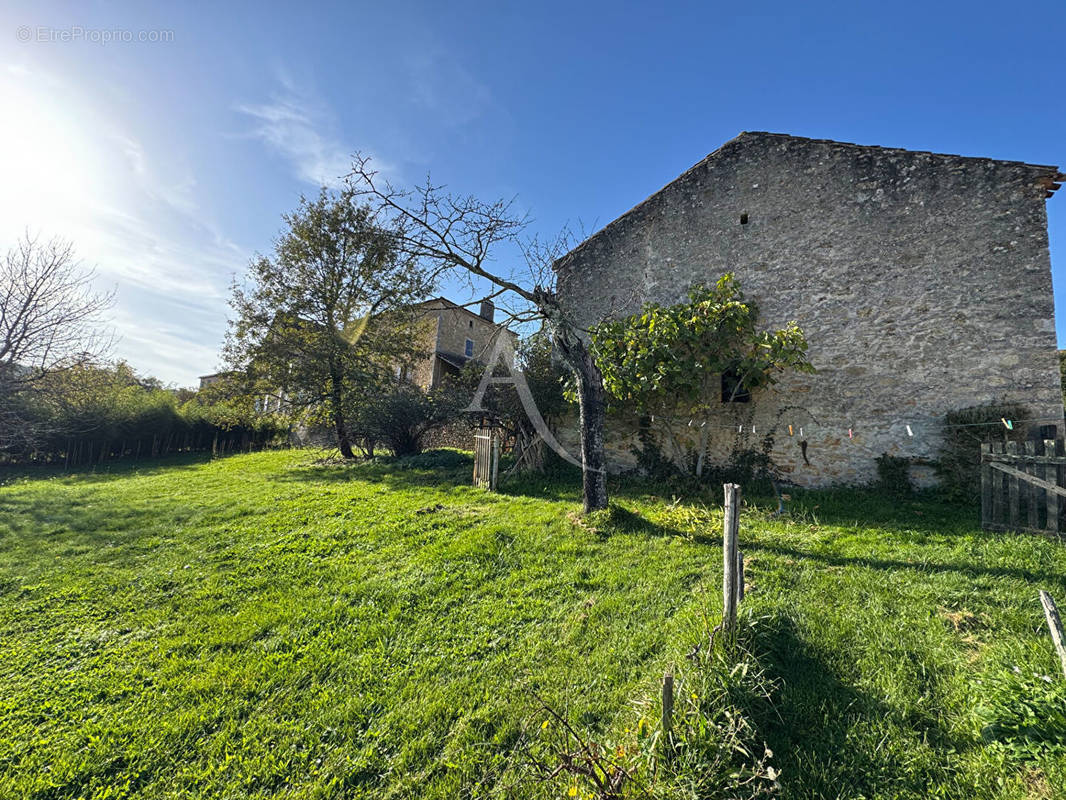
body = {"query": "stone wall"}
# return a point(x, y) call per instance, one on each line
point(922, 283)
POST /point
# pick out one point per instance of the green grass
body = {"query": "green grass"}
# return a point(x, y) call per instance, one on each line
point(265, 626)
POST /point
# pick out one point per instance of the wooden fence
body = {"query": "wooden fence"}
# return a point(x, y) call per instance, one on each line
point(1022, 486)
point(486, 458)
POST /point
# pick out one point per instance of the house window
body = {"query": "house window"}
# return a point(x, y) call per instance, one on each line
point(469, 348)
point(732, 389)
point(470, 323)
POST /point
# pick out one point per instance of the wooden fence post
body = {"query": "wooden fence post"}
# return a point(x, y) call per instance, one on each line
point(1013, 513)
point(495, 459)
point(1054, 623)
point(986, 485)
point(1051, 475)
point(1032, 493)
point(997, 489)
point(730, 527)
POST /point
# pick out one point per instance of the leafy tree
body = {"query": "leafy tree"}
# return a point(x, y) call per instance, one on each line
point(90, 413)
point(670, 360)
point(327, 319)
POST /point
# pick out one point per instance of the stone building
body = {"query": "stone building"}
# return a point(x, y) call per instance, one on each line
point(921, 280)
point(452, 336)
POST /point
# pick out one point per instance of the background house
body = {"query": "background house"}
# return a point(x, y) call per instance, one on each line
point(453, 335)
point(921, 280)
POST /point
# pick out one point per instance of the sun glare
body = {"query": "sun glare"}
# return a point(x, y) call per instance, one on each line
point(45, 164)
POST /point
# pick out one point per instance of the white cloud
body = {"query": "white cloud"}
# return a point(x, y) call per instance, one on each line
point(300, 129)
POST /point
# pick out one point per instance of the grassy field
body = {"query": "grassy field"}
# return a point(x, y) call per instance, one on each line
point(272, 626)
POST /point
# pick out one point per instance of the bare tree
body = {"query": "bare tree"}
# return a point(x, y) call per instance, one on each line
point(462, 234)
point(49, 322)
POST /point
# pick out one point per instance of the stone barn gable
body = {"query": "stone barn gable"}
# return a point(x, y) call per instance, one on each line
point(922, 282)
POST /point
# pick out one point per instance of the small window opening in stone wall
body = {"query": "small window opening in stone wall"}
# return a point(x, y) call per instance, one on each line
point(744, 219)
point(470, 323)
point(732, 389)
point(469, 348)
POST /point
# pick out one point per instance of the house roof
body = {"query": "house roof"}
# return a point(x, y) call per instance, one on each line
point(453, 359)
point(1048, 176)
point(453, 305)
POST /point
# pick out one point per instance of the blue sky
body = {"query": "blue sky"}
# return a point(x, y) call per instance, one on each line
point(169, 163)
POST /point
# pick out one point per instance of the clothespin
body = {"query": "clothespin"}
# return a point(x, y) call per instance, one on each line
point(909, 431)
point(801, 431)
point(653, 418)
point(740, 429)
point(789, 430)
point(690, 423)
point(752, 430)
point(703, 424)
point(1007, 423)
point(850, 434)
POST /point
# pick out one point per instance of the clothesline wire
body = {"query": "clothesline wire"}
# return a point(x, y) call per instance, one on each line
point(906, 421)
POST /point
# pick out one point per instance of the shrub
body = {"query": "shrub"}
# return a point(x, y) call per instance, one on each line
point(959, 461)
point(402, 418)
point(893, 474)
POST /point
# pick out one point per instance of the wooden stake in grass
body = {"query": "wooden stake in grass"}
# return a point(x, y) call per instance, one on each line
point(1054, 623)
point(668, 707)
point(729, 556)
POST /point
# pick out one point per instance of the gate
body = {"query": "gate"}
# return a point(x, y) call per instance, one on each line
point(1022, 486)
point(486, 457)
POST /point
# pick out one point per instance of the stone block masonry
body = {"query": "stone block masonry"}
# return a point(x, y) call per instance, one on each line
point(922, 282)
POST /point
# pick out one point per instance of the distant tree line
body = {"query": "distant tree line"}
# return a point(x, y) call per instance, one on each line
point(94, 414)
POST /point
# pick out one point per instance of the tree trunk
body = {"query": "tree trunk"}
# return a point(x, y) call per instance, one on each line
point(343, 442)
point(702, 446)
point(593, 406)
point(593, 458)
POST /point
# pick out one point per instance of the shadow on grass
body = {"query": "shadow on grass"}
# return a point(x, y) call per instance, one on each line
point(924, 512)
point(85, 513)
point(439, 469)
point(434, 469)
point(929, 567)
point(109, 470)
point(825, 733)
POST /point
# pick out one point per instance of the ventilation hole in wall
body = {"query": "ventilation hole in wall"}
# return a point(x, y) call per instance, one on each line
point(743, 219)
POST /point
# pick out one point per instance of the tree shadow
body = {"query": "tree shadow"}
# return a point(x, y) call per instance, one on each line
point(109, 470)
point(395, 474)
point(924, 512)
point(821, 727)
point(623, 521)
point(930, 567)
